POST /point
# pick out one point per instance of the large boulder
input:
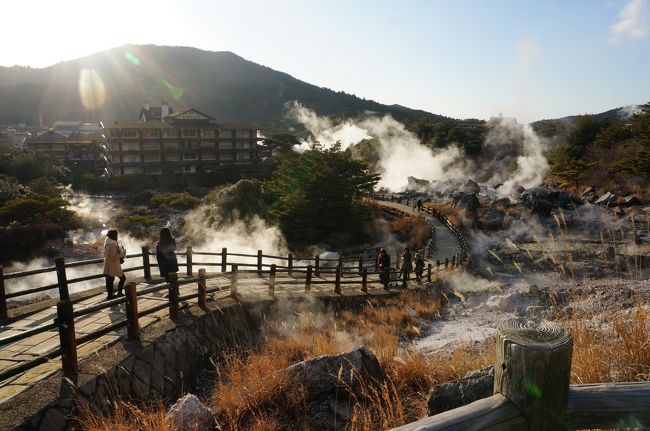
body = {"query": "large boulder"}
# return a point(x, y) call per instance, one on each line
point(541, 200)
point(333, 382)
point(632, 200)
point(608, 200)
point(457, 393)
point(417, 184)
point(470, 187)
point(467, 202)
point(491, 220)
point(189, 413)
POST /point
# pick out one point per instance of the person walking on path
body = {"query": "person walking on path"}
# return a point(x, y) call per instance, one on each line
point(419, 267)
point(407, 265)
point(384, 267)
point(114, 255)
point(166, 253)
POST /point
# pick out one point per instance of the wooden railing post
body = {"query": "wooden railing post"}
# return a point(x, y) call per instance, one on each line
point(317, 266)
point(533, 366)
point(453, 262)
point(437, 265)
point(67, 337)
point(274, 269)
point(62, 279)
point(145, 263)
point(340, 261)
point(337, 285)
point(259, 262)
point(364, 280)
point(203, 286)
point(429, 273)
point(3, 296)
point(360, 264)
point(172, 279)
point(234, 281)
point(446, 262)
point(290, 264)
point(224, 259)
point(133, 327)
point(188, 259)
point(308, 279)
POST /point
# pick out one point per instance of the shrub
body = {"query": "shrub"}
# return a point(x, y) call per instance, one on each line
point(182, 200)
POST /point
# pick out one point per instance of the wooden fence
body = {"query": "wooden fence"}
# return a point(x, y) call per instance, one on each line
point(305, 271)
point(532, 391)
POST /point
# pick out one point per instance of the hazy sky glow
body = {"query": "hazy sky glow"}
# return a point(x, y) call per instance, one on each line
point(462, 58)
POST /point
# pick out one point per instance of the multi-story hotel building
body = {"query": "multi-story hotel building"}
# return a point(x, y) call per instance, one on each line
point(186, 141)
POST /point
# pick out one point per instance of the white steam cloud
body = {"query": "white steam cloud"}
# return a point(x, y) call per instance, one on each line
point(402, 155)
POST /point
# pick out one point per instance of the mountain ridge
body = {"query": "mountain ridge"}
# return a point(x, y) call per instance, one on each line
point(220, 83)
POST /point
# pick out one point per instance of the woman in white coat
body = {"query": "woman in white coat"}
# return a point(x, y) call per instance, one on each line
point(114, 255)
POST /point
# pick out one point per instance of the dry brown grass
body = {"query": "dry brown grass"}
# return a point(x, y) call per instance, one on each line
point(413, 230)
point(619, 355)
point(454, 214)
point(127, 417)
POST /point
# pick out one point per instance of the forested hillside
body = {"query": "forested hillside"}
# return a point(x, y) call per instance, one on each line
point(221, 84)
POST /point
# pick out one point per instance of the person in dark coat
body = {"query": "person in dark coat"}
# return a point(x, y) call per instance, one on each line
point(407, 265)
point(419, 267)
point(384, 267)
point(166, 253)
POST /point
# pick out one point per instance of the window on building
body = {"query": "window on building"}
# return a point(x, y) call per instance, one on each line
point(131, 158)
point(151, 158)
point(189, 168)
point(172, 157)
point(130, 133)
point(150, 146)
point(225, 156)
point(225, 133)
point(190, 156)
point(116, 133)
point(208, 156)
point(131, 146)
point(151, 133)
point(207, 144)
point(243, 133)
point(189, 133)
point(170, 146)
point(171, 133)
point(207, 133)
point(225, 145)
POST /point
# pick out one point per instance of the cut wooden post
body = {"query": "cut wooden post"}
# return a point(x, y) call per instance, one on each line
point(172, 279)
point(3, 296)
point(446, 262)
point(437, 265)
point(234, 280)
point(340, 264)
point(145, 263)
point(67, 337)
point(429, 273)
point(188, 259)
point(274, 269)
point(133, 327)
point(259, 262)
point(308, 279)
point(62, 279)
point(290, 264)
point(224, 259)
point(203, 286)
point(337, 285)
point(317, 266)
point(533, 365)
point(364, 280)
point(453, 262)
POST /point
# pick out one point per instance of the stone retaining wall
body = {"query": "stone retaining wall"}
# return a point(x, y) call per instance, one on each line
point(162, 366)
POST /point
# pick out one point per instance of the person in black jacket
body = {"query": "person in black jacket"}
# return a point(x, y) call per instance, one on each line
point(384, 267)
point(166, 253)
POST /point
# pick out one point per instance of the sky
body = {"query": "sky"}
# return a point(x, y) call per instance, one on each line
point(461, 58)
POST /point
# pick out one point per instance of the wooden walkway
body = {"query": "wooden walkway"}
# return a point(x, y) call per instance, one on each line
point(154, 307)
